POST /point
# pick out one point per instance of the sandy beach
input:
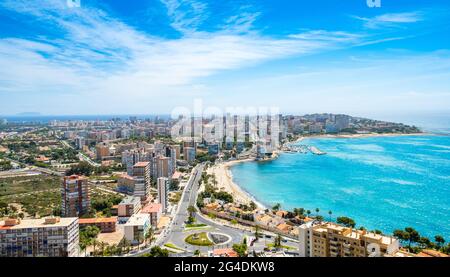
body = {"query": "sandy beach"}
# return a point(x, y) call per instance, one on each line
point(225, 182)
point(364, 135)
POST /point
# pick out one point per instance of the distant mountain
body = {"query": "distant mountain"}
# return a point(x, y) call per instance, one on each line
point(29, 114)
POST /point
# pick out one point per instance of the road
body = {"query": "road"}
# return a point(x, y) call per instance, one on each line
point(176, 233)
point(81, 156)
point(41, 169)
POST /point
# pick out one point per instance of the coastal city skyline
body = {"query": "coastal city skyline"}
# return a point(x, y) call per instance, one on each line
point(347, 60)
point(225, 129)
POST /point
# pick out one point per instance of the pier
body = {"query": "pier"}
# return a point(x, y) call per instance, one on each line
point(303, 149)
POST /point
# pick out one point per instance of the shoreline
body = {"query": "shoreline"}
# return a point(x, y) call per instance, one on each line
point(363, 135)
point(226, 183)
point(224, 175)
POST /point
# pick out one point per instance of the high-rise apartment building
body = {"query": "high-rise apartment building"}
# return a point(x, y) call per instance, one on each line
point(75, 196)
point(163, 190)
point(162, 167)
point(49, 237)
point(141, 176)
point(102, 150)
point(189, 154)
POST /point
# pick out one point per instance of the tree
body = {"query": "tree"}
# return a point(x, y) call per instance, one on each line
point(409, 235)
point(299, 211)
point(276, 207)
point(257, 234)
point(330, 213)
point(82, 168)
point(346, 221)
point(277, 241)
point(308, 212)
point(241, 249)
point(197, 252)
point(148, 236)
point(317, 211)
point(157, 252)
point(425, 242)
point(439, 240)
point(252, 205)
point(414, 236)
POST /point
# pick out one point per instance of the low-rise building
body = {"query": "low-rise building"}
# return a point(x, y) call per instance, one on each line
point(137, 227)
point(47, 237)
point(129, 206)
point(155, 211)
point(106, 225)
point(318, 239)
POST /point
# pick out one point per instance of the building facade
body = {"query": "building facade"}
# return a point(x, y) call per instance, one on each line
point(319, 239)
point(163, 190)
point(75, 197)
point(49, 237)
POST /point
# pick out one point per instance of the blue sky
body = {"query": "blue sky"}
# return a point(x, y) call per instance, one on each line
point(149, 56)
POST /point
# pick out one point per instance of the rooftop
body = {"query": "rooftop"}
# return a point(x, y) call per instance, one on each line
point(138, 220)
point(39, 223)
point(152, 208)
point(130, 200)
point(141, 164)
point(97, 220)
point(224, 252)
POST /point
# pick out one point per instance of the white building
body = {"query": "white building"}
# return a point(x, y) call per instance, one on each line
point(49, 237)
point(137, 227)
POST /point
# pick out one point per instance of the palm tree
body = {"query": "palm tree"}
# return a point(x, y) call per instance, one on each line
point(277, 242)
point(308, 212)
point(94, 244)
point(330, 213)
point(257, 232)
point(149, 236)
point(317, 211)
point(140, 240)
point(192, 210)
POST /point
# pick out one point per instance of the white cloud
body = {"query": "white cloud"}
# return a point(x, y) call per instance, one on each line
point(391, 19)
point(186, 15)
point(100, 55)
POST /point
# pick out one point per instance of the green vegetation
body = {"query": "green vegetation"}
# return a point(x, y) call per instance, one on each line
point(102, 202)
point(276, 207)
point(241, 249)
point(195, 225)
point(199, 239)
point(211, 191)
point(346, 221)
point(87, 236)
point(5, 165)
point(157, 252)
point(17, 185)
point(84, 168)
point(173, 246)
point(205, 157)
point(271, 245)
point(36, 195)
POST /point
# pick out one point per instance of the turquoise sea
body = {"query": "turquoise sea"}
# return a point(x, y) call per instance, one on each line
point(382, 183)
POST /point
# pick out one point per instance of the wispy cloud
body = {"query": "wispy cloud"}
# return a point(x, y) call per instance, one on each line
point(186, 15)
point(98, 57)
point(391, 19)
point(99, 54)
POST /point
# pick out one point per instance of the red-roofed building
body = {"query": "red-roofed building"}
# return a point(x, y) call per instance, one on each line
point(106, 225)
point(224, 252)
point(155, 212)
